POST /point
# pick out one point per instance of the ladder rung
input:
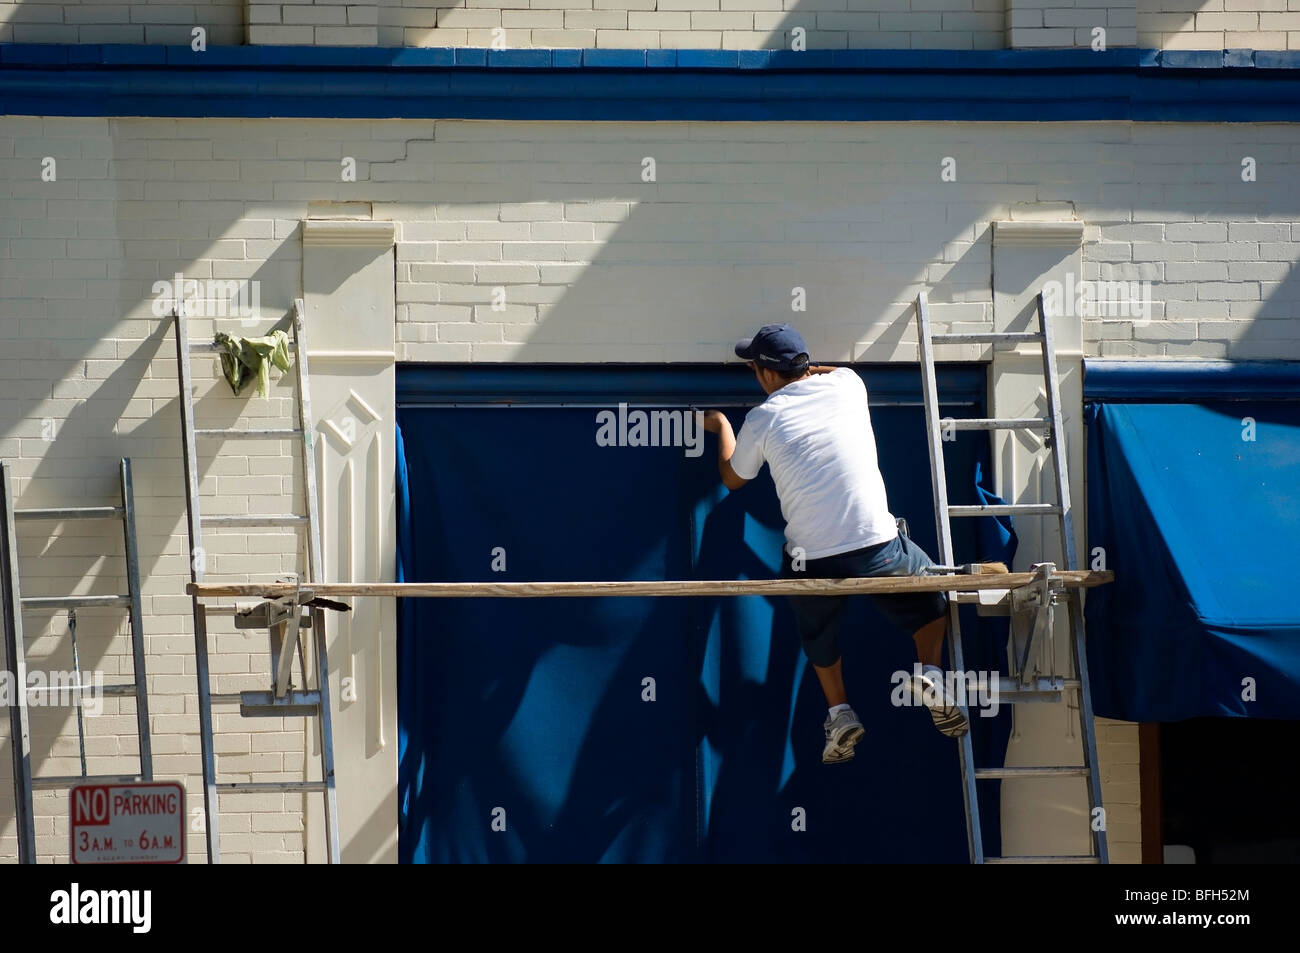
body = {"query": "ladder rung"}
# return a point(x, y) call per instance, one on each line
point(125, 688)
point(1006, 509)
point(980, 597)
point(271, 519)
point(71, 780)
point(271, 787)
point(213, 348)
point(996, 423)
point(259, 616)
point(70, 513)
point(1044, 859)
point(293, 704)
point(1011, 691)
point(237, 698)
point(986, 337)
point(1045, 771)
point(74, 602)
point(280, 433)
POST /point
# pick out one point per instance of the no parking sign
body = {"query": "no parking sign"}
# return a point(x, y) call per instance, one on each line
point(141, 823)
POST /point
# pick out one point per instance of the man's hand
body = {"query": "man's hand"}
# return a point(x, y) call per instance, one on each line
point(715, 420)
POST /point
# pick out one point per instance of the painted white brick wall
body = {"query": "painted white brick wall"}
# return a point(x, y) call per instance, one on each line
point(1218, 24)
point(1096, 24)
point(305, 22)
point(628, 24)
point(167, 22)
point(597, 265)
point(856, 212)
point(682, 24)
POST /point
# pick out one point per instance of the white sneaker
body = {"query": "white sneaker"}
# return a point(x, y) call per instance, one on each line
point(842, 733)
point(931, 692)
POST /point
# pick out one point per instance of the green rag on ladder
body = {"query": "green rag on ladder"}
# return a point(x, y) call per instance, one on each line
point(242, 359)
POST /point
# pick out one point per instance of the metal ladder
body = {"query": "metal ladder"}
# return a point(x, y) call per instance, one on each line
point(283, 623)
point(1030, 607)
point(15, 650)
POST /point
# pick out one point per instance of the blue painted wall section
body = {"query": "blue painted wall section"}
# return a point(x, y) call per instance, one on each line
point(536, 705)
point(638, 85)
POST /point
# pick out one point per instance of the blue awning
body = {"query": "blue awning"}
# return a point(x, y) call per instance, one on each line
point(1197, 510)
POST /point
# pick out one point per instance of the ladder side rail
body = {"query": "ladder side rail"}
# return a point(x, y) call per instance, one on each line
point(314, 565)
point(1079, 651)
point(129, 540)
point(198, 566)
point(938, 479)
point(315, 570)
point(20, 737)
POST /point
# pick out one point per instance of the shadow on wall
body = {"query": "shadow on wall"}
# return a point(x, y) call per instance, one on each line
point(88, 384)
point(835, 228)
point(62, 558)
point(1265, 293)
point(826, 24)
point(1200, 25)
point(816, 24)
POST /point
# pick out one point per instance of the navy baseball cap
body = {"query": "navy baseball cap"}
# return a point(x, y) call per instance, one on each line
point(775, 346)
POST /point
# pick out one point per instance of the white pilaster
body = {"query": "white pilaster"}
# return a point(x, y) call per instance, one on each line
point(1039, 815)
point(349, 294)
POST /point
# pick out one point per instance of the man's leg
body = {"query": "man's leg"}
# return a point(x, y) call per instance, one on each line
point(929, 641)
point(908, 611)
point(832, 681)
point(818, 619)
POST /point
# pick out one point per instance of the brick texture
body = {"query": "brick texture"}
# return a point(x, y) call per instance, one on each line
point(169, 22)
point(684, 24)
point(1218, 24)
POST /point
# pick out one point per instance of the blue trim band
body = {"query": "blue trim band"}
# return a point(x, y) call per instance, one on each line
point(1190, 381)
point(638, 85)
point(665, 384)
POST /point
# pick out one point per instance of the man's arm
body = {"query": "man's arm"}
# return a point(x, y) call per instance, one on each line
point(717, 422)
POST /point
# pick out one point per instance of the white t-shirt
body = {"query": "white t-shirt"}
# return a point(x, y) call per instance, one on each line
point(816, 436)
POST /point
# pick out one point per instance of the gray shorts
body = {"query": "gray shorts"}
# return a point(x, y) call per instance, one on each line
point(819, 616)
